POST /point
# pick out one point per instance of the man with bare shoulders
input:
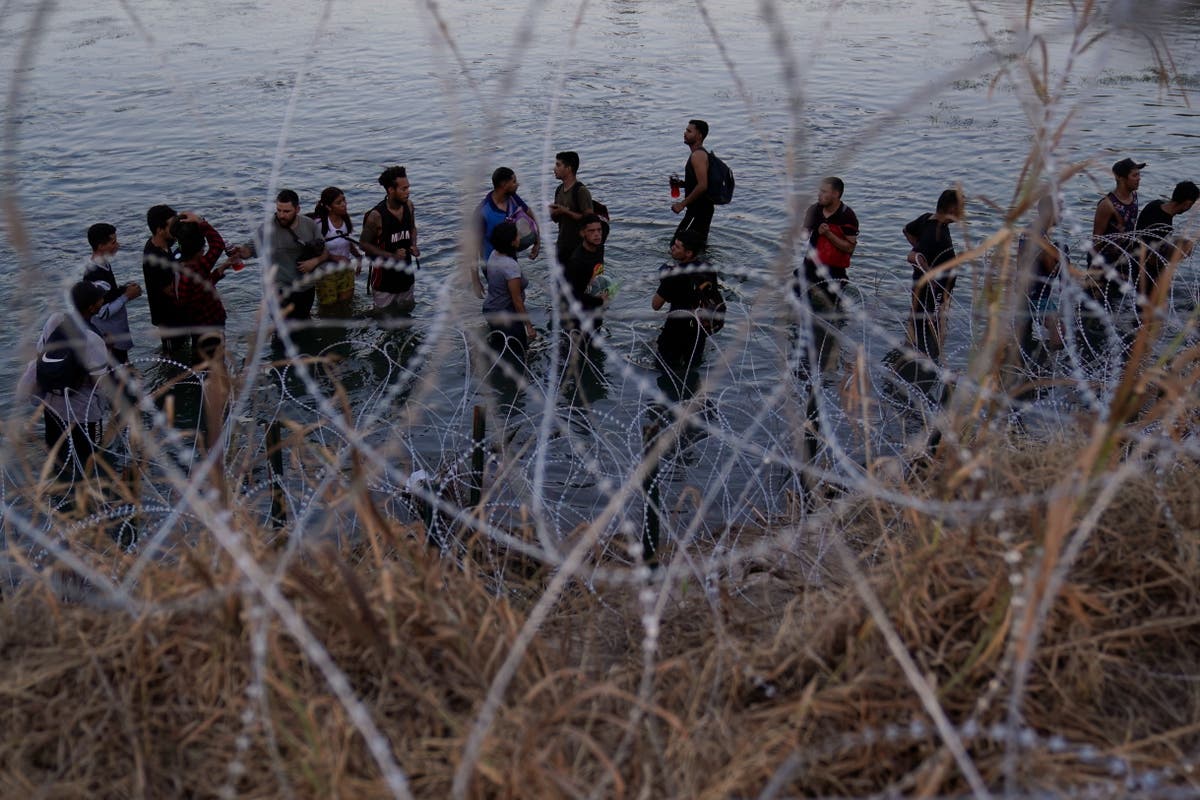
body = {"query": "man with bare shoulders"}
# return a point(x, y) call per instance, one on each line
point(389, 233)
point(696, 204)
point(1114, 225)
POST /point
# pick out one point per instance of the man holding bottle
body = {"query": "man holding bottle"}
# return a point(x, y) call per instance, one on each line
point(696, 204)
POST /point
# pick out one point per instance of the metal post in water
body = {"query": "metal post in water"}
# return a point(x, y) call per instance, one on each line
point(812, 444)
point(275, 458)
point(478, 433)
point(650, 526)
point(131, 476)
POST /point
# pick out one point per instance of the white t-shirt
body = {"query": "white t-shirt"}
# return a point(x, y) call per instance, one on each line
point(336, 242)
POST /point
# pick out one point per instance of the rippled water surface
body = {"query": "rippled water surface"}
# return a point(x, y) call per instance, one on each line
point(117, 107)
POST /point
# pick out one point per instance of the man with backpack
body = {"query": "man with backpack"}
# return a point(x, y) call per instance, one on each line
point(503, 204)
point(707, 182)
point(113, 319)
point(572, 201)
point(67, 379)
point(389, 232)
point(297, 249)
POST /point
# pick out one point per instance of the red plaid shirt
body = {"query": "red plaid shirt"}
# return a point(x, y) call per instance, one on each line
point(195, 289)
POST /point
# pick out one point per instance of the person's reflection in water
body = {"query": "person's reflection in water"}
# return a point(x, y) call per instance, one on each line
point(584, 379)
point(680, 391)
point(401, 347)
point(505, 373)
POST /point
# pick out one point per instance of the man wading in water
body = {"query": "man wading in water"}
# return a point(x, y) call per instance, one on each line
point(1112, 229)
point(112, 320)
point(929, 235)
point(832, 238)
point(390, 232)
point(572, 202)
point(699, 206)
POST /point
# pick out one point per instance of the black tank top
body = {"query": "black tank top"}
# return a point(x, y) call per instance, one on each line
point(689, 184)
point(396, 234)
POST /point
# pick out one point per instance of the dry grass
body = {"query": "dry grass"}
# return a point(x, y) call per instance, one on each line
point(762, 678)
point(1045, 598)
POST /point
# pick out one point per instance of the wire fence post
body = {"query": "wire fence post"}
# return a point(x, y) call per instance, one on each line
point(650, 488)
point(478, 434)
point(275, 458)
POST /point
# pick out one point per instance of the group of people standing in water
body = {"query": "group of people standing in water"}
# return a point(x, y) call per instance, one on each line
point(314, 258)
point(1126, 270)
point(79, 371)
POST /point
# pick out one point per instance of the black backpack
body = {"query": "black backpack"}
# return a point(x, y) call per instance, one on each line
point(711, 310)
point(599, 209)
point(720, 180)
point(59, 367)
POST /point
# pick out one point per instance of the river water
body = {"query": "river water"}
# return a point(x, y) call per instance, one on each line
point(115, 107)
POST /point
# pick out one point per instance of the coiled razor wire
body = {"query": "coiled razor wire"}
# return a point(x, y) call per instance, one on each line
point(757, 439)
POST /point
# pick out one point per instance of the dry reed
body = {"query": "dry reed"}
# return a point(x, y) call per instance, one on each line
point(764, 678)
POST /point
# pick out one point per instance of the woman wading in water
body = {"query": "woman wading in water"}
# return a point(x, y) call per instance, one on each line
point(335, 291)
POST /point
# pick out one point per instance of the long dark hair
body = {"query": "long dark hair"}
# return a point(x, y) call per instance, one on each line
point(502, 238)
point(328, 197)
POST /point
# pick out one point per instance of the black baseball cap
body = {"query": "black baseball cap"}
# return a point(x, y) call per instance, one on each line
point(1125, 166)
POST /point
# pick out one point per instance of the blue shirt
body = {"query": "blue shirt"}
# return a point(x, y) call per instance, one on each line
point(492, 215)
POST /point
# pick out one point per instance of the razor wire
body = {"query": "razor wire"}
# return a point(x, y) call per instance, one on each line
point(790, 410)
